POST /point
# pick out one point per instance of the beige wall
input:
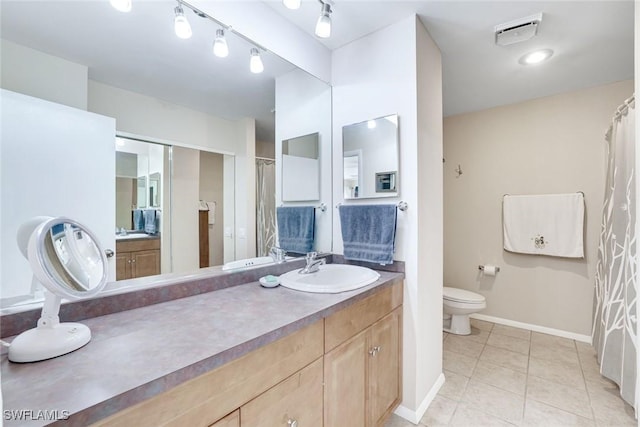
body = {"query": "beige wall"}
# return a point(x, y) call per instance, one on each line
point(184, 205)
point(266, 149)
point(211, 190)
point(548, 145)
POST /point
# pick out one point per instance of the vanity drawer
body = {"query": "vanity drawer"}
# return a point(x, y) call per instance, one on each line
point(346, 323)
point(135, 245)
point(211, 396)
point(295, 401)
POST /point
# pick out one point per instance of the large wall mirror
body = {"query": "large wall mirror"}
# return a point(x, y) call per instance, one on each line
point(208, 132)
point(370, 158)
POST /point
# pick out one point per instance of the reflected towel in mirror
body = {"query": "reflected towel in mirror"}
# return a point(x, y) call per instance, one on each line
point(138, 220)
point(296, 227)
point(150, 221)
point(369, 232)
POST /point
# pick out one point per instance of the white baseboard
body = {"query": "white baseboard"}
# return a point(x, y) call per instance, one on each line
point(415, 416)
point(535, 328)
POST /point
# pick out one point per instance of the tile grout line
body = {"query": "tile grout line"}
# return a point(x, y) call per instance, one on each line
point(586, 387)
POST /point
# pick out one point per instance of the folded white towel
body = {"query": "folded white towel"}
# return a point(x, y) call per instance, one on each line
point(549, 224)
point(212, 212)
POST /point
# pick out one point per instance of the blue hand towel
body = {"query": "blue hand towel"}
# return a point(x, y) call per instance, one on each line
point(138, 220)
point(369, 232)
point(150, 221)
point(296, 226)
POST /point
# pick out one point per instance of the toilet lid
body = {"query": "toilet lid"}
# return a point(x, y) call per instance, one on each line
point(461, 295)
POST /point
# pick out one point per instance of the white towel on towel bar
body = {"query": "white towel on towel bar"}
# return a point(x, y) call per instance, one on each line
point(547, 224)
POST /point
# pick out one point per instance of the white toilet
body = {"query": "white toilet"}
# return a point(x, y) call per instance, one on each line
point(458, 305)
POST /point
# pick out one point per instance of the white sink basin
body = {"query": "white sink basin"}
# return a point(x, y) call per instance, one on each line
point(132, 236)
point(249, 262)
point(330, 279)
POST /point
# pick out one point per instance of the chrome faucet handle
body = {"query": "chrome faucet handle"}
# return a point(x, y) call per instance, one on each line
point(278, 254)
point(311, 256)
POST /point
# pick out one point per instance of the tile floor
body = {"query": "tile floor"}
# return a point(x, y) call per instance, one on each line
point(504, 376)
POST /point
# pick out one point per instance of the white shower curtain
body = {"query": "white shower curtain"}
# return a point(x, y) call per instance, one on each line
point(265, 205)
point(615, 323)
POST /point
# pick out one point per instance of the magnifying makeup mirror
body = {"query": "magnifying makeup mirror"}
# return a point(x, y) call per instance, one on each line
point(67, 259)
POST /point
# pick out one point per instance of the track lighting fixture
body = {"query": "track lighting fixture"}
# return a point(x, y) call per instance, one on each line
point(255, 64)
point(220, 47)
point(181, 25)
point(323, 26)
point(121, 5)
point(291, 4)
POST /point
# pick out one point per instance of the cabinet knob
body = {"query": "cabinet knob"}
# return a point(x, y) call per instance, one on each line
point(375, 350)
point(129, 261)
point(292, 423)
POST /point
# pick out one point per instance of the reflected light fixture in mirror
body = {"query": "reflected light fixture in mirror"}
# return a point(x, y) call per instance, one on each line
point(291, 4)
point(220, 47)
point(323, 26)
point(121, 5)
point(181, 24)
point(69, 262)
point(255, 64)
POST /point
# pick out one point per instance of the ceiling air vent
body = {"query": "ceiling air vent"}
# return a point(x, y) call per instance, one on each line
point(518, 30)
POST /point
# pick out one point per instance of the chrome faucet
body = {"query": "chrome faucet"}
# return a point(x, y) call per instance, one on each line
point(313, 264)
point(278, 254)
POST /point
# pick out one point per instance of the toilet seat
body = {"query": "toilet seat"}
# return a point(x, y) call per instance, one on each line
point(462, 295)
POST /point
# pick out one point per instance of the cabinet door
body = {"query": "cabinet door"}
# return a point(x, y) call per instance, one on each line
point(383, 368)
point(345, 383)
point(231, 420)
point(123, 265)
point(297, 401)
point(145, 263)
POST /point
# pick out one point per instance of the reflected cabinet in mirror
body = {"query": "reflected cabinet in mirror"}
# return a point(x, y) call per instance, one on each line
point(370, 158)
point(301, 169)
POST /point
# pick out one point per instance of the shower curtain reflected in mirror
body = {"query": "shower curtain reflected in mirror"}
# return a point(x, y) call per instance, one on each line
point(615, 305)
point(265, 205)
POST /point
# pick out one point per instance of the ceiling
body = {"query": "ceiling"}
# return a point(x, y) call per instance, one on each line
point(593, 44)
point(592, 41)
point(139, 51)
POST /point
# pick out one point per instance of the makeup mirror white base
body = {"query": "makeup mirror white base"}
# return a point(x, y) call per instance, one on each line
point(50, 338)
point(47, 342)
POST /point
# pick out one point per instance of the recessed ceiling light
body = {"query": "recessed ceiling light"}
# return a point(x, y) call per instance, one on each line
point(536, 57)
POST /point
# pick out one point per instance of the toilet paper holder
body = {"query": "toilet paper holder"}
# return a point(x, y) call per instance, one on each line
point(481, 268)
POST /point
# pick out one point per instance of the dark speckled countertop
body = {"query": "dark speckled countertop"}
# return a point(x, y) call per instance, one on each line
point(137, 354)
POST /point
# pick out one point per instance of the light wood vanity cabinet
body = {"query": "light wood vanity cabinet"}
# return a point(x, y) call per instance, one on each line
point(231, 420)
point(295, 402)
point(137, 258)
point(363, 373)
point(344, 370)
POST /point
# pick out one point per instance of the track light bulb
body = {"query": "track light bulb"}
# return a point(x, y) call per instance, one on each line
point(220, 48)
point(181, 25)
point(291, 4)
point(323, 26)
point(255, 64)
point(121, 5)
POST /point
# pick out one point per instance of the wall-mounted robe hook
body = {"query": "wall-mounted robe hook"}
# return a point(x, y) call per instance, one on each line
point(458, 171)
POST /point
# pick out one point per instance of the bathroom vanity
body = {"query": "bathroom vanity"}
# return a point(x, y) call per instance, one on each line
point(239, 356)
point(138, 257)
